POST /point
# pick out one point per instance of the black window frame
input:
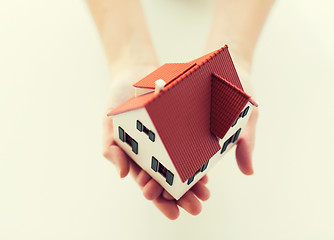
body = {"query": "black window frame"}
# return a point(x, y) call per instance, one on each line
point(191, 179)
point(139, 126)
point(121, 134)
point(226, 143)
point(151, 135)
point(205, 166)
point(134, 146)
point(244, 113)
point(236, 135)
point(154, 164)
point(169, 177)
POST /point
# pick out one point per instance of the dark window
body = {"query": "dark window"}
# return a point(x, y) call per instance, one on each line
point(158, 167)
point(191, 179)
point(226, 143)
point(162, 170)
point(145, 130)
point(169, 177)
point(205, 166)
point(154, 164)
point(245, 112)
point(139, 126)
point(151, 136)
point(134, 146)
point(235, 122)
point(128, 139)
point(236, 135)
point(121, 133)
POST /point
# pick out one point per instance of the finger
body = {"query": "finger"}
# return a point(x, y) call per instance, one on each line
point(168, 208)
point(167, 196)
point(152, 190)
point(201, 191)
point(190, 203)
point(244, 157)
point(134, 169)
point(245, 145)
point(204, 179)
point(143, 178)
point(117, 156)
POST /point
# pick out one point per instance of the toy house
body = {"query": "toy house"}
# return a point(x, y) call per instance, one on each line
point(183, 118)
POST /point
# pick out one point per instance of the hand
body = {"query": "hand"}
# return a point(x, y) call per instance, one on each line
point(152, 190)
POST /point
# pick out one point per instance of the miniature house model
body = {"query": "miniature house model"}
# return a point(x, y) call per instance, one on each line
point(183, 118)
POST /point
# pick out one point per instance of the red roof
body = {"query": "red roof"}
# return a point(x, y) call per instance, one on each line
point(132, 103)
point(181, 111)
point(167, 72)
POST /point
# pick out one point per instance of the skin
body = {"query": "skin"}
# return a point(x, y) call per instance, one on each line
point(131, 55)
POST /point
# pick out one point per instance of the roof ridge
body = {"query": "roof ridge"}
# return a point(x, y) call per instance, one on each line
point(186, 74)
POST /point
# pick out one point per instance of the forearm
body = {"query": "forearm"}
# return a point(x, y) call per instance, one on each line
point(124, 33)
point(239, 23)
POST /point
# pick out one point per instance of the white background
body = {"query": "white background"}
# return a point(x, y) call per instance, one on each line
point(54, 182)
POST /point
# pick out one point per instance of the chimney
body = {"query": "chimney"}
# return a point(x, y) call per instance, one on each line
point(159, 85)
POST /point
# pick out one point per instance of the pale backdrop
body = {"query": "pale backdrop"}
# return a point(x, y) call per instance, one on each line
point(54, 182)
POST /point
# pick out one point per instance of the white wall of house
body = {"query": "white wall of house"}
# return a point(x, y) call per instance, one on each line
point(147, 149)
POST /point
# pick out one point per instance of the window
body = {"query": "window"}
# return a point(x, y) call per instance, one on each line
point(134, 146)
point(205, 166)
point(124, 137)
point(226, 143)
point(202, 169)
point(158, 167)
point(244, 113)
point(121, 134)
point(191, 179)
point(232, 139)
point(235, 122)
point(169, 177)
point(162, 170)
point(154, 164)
point(151, 136)
point(139, 126)
point(147, 131)
point(241, 115)
point(236, 135)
